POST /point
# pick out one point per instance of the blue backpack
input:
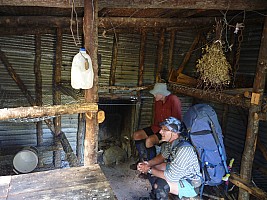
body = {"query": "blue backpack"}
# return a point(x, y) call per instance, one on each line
point(205, 134)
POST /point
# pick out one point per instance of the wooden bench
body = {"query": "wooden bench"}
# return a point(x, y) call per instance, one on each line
point(70, 183)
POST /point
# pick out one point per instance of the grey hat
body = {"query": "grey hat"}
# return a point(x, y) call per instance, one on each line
point(173, 124)
point(160, 88)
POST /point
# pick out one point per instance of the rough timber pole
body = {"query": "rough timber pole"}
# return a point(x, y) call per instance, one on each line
point(91, 95)
point(253, 118)
point(160, 56)
point(57, 95)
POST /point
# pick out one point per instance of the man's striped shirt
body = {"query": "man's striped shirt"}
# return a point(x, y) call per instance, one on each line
point(183, 161)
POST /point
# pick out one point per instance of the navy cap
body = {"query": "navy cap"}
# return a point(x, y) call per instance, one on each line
point(173, 124)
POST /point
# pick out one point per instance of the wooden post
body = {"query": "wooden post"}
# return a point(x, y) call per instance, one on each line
point(57, 79)
point(38, 85)
point(57, 95)
point(114, 60)
point(253, 119)
point(38, 92)
point(160, 56)
point(171, 50)
point(142, 58)
point(80, 134)
point(90, 27)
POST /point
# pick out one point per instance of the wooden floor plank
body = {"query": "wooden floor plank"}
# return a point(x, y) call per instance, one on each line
point(4, 186)
point(73, 183)
point(59, 178)
point(97, 191)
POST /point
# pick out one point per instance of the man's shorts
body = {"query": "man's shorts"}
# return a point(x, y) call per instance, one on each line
point(185, 189)
point(149, 132)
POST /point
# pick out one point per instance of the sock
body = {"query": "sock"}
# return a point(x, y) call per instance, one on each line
point(151, 152)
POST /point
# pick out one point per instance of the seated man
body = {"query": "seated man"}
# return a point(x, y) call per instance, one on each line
point(166, 105)
point(176, 169)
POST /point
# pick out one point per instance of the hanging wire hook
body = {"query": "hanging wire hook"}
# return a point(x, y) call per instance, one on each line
point(73, 10)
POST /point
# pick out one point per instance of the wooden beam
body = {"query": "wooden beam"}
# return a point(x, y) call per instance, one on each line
point(38, 92)
point(36, 21)
point(71, 157)
point(16, 78)
point(253, 118)
point(129, 22)
point(102, 87)
point(142, 52)
point(41, 3)
point(170, 4)
point(241, 183)
point(104, 22)
point(80, 136)
point(57, 78)
point(41, 111)
point(186, 4)
point(57, 99)
point(38, 86)
point(210, 95)
point(37, 71)
point(7, 31)
point(69, 91)
point(160, 56)
point(171, 50)
point(188, 54)
point(113, 66)
point(90, 28)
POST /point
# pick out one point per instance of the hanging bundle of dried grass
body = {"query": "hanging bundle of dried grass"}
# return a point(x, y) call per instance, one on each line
point(213, 68)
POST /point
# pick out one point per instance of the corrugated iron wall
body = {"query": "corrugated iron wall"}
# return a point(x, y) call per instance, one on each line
point(20, 53)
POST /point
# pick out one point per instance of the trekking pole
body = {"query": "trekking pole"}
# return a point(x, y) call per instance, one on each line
point(226, 177)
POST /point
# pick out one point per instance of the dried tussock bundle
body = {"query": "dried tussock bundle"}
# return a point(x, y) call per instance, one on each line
point(213, 68)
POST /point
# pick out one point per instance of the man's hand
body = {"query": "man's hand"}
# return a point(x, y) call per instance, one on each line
point(143, 167)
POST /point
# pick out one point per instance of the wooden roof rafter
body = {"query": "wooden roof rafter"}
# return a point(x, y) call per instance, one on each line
point(170, 4)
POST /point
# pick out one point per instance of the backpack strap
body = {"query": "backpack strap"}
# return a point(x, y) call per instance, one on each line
point(215, 136)
point(184, 143)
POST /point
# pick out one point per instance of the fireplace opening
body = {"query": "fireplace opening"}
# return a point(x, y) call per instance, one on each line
point(114, 138)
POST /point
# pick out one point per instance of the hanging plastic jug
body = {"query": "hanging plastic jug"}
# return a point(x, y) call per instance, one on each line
point(82, 74)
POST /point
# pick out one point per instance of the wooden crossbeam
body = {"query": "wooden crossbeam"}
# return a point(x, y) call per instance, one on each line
point(210, 95)
point(170, 4)
point(241, 183)
point(40, 111)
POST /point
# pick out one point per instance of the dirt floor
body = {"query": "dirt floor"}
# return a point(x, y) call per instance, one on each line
point(125, 182)
point(128, 186)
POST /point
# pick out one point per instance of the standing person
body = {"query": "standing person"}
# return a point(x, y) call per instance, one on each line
point(166, 105)
point(176, 169)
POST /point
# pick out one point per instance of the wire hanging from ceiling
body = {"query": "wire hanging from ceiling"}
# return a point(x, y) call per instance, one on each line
point(73, 11)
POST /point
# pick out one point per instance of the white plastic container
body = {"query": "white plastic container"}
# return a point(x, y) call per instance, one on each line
point(82, 74)
point(26, 160)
